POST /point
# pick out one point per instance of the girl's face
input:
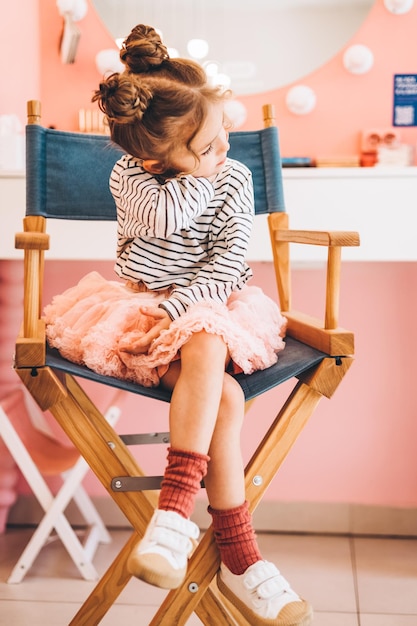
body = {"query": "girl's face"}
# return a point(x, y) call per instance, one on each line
point(210, 145)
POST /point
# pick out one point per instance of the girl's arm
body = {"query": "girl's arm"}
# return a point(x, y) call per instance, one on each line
point(226, 270)
point(142, 344)
point(149, 208)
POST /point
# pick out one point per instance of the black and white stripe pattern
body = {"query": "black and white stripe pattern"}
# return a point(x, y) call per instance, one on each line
point(186, 232)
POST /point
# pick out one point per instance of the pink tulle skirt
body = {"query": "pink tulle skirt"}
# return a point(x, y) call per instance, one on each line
point(87, 322)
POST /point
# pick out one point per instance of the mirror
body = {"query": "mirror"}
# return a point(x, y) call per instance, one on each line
point(260, 44)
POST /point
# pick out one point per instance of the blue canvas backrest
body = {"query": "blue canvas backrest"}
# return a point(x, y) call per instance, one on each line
point(67, 174)
point(259, 150)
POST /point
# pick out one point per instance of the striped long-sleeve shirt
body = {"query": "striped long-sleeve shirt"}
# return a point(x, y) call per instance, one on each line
point(187, 233)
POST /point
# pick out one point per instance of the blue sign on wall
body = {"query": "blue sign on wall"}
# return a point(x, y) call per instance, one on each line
point(405, 100)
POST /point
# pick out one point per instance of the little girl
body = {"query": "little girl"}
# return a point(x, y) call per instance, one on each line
point(184, 316)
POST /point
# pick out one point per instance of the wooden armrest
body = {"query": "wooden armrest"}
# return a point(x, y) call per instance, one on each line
point(281, 237)
point(31, 351)
point(318, 237)
point(307, 329)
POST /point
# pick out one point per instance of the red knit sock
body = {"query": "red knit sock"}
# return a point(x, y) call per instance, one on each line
point(182, 480)
point(235, 538)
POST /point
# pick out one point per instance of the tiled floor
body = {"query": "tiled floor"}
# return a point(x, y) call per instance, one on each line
point(350, 581)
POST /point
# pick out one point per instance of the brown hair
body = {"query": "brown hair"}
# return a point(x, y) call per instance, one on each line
point(151, 117)
point(157, 104)
point(144, 53)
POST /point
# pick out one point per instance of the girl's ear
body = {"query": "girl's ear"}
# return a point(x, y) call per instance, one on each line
point(153, 167)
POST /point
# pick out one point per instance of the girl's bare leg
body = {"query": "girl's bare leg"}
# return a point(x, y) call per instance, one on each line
point(225, 483)
point(197, 392)
point(198, 388)
point(206, 415)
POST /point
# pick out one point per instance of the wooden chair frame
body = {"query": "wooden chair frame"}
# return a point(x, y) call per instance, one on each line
point(106, 452)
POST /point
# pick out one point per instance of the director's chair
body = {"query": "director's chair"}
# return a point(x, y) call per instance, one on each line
point(67, 178)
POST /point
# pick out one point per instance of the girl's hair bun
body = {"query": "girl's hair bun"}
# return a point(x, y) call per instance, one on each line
point(143, 50)
point(123, 98)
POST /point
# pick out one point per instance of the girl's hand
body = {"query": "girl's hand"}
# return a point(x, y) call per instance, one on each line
point(142, 345)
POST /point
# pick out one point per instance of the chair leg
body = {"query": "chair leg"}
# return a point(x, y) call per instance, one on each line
point(99, 532)
point(116, 578)
point(261, 469)
point(214, 611)
point(108, 588)
point(108, 456)
point(90, 433)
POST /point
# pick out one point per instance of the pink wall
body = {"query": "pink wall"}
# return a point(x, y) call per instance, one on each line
point(19, 57)
point(346, 103)
point(360, 446)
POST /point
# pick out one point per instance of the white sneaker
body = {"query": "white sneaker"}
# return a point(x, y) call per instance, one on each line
point(161, 557)
point(263, 596)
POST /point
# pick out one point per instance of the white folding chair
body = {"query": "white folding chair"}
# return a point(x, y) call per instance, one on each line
point(18, 434)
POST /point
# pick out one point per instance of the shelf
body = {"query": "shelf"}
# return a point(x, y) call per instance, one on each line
point(379, 203)
point(349, 172)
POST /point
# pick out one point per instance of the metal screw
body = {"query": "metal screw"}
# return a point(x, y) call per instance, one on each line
point(118, 484)
point(193, 587)
point(111, 445)
point(257, 481)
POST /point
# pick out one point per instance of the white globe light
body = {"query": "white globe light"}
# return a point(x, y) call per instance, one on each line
point(173, 53)
point(221, 80)
point(211, 68)
point(236, 112)
point(108, 62)
point(77, 9)
point(198, 48)
point(301, 99)
point(398, 6)
point(358, 59)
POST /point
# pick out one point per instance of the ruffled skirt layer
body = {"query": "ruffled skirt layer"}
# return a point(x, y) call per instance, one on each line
point(88, 322)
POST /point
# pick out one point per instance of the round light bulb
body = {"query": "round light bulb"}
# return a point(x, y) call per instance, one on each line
point(173, 53)
point(77, 9)
point(301, 100)
point(221, 80)
point(108, 61)
point(398, 6)
point(358, 59)
point(236, 112)
point(211, 68)
point(198, 48)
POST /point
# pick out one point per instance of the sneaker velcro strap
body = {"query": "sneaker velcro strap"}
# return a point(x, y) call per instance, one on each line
point(267, 580)
point(179, 524)
point(171, 540)
point(272, 587)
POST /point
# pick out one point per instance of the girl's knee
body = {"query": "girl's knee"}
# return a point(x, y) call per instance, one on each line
point(233, 399)
point(204, 346)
